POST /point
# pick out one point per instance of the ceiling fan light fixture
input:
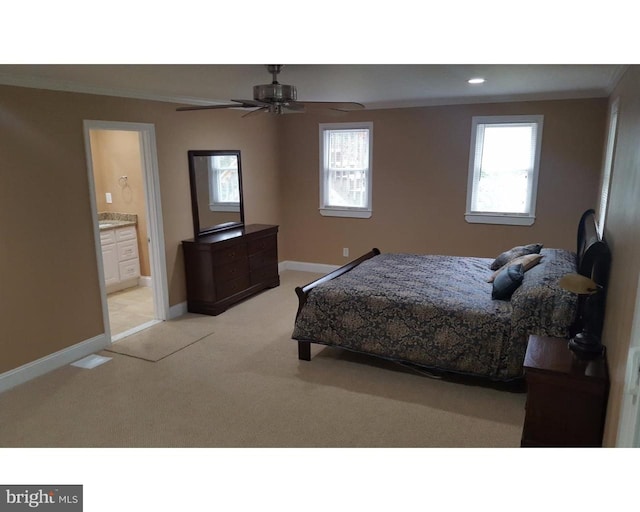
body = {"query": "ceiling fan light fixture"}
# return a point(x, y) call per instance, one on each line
point(274, 93)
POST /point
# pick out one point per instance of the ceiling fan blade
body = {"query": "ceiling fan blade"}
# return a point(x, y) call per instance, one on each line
point(252, 103)
point(343, 106)
point(256, 111)
point(208, 107)
point(237, 104)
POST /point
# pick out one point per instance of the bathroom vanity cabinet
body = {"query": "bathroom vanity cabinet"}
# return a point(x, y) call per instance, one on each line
point(120, 257)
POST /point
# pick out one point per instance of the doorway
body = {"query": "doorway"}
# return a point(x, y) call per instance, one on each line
point(124, 191)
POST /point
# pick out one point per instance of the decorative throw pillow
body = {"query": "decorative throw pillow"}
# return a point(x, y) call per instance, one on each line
point(527, 261)
point(513, 253)
point(507, 282)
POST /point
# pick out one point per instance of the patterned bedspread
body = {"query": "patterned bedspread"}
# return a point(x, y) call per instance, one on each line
point(437, 311)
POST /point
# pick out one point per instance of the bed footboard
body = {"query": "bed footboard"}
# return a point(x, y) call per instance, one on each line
point(304, 347)
point(303, 291)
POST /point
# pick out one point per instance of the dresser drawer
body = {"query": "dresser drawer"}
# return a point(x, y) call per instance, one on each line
point(127, 250)
point(226, 289)
point(264, 274)
point(237, 252)
point(262, 244)
point(126, 233)
point(129, 269)
point(263, 258)
point(231, 270)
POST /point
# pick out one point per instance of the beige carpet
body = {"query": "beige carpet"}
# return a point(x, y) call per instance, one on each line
point(164, 339)
point(243, 386)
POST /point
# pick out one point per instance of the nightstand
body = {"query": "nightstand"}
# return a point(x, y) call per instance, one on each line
point(566, 396)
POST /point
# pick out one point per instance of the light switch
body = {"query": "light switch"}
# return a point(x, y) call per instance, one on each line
point(109, 200)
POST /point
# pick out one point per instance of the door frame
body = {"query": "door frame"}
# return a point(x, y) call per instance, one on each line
point(151, 180)
point(629, 419)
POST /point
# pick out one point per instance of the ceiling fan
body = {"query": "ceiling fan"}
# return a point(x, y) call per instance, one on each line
point(277, 98)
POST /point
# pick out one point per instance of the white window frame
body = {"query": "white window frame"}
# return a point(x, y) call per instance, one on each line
point(518, 219)
point(607, 169)
point(345, 211)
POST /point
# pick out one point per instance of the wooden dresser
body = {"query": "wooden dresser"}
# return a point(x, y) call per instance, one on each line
point(226, 267)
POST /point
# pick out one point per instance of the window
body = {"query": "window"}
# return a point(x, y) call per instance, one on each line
point(345, 169)
point(224, 191)
point(503, 169)
point(608, 164)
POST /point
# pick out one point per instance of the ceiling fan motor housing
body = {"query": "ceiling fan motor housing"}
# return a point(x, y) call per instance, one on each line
point(274, 93)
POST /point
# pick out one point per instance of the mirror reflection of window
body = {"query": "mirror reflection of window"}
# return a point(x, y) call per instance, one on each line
point(224, 191)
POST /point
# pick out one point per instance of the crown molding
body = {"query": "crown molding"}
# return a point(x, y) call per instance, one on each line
point(67, 86)
point(615, 79)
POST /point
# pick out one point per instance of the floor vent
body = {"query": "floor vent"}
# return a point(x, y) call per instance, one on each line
point(91, 361)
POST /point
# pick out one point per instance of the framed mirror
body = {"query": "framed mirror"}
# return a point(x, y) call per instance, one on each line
point(216, 190)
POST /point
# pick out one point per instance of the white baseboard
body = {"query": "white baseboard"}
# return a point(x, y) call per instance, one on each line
point(145, 281)
point(51, 362)
point(134, 330)
point(177, 310)
point(122, 285)
point(301, 266)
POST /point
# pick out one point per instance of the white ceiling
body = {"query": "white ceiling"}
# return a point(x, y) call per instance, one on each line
point(377, 86)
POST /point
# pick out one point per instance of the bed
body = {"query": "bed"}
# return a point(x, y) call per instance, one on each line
point(436, 312)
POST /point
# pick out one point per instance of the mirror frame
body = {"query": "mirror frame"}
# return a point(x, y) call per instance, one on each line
point(199, 231)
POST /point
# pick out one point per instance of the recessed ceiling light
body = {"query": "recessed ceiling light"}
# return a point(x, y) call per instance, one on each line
point(476, 80)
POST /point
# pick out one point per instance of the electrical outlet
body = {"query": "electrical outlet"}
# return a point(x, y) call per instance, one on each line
point(108, 196)
point(345, 252)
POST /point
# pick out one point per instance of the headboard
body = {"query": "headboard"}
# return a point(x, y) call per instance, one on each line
point(593, 260)
point(593, 255)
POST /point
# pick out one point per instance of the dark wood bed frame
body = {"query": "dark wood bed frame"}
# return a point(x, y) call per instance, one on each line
point(593, 260)
point(304, 347)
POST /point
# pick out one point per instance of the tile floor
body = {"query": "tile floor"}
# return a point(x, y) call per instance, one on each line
point(130, 308)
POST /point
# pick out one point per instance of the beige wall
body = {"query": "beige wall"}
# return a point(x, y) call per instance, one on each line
point(48, 272)
point(115, 154)
point(420, 169)
point(622, 232)
point(49, 290)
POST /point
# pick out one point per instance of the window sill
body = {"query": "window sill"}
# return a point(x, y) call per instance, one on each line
point(224, 208)
point(356, 214)
point(509, 220)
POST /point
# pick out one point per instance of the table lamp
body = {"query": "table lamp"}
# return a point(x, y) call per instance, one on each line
point(586, 344)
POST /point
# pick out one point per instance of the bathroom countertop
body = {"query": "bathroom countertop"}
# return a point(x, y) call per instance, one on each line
point(112, 220)
point(112, 224)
